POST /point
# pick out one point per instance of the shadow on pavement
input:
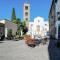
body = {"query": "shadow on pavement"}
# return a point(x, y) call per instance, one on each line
point(1, 42)
point(54, 52)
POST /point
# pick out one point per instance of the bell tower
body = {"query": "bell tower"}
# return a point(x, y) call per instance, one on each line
point(26, 12)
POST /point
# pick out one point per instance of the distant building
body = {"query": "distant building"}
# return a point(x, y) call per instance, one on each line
point(31, 28)
point(46, 27)
point(54, 19)
point(8, 25)
point(39, 26)
point(26, 13)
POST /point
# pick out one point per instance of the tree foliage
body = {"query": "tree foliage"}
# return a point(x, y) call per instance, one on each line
point(18, 21)
point(24, 28)
point(20, 25)
point(9, 32)
point(13, 16)
point(1, 25)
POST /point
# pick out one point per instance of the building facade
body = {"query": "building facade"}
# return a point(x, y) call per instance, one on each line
point(54, 19)
point(8, 25)
point(38, 27)
point(57, 24)
point(46, 28)
point(31, 29)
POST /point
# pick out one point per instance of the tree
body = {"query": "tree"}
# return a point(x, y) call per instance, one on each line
point(9, 35)
point(1, 25)
point(13, 16)
point(18, 21)
point(24, 28)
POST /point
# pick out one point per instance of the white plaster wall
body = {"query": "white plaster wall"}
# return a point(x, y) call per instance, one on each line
point(40, 23)
point(31, 28)
point(10, 25)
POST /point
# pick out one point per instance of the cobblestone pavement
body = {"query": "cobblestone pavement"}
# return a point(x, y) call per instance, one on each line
point(18, 50)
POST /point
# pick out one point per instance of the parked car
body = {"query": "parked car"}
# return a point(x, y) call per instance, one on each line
point(38, 39)
point(2, 37)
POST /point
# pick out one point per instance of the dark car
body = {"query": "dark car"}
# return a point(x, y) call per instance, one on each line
point(2, 37)
point(38, 39)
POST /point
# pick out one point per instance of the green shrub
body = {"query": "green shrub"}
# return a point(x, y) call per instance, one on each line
point(9, 35)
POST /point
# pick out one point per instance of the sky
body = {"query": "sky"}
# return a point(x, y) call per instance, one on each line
point(37, 8)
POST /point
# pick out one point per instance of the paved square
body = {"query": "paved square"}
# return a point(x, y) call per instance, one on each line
point(18, 50)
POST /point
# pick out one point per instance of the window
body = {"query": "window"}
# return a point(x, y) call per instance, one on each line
point(59, 32)
point(58, 29)
point(45, 24)
point(59, 18)
point(56, 1)
point(26, 13)
point(58, 13)
point(26, 7)
point(52, 17)
point(26, 19)
point(45, 29)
